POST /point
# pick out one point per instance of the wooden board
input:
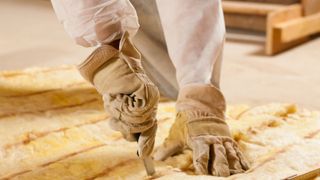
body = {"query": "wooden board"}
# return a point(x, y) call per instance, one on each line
point(273, 40)
point(298, 28)
point(310, 7)
point(247, 15)
point(270, 1)
point(246, 22)
point(249, 8)
point(284, 25)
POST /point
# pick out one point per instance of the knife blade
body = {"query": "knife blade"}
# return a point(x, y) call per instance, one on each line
point(149, 166)
point(147, 161)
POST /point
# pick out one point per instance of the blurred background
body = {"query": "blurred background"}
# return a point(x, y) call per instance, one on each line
point(272, 52)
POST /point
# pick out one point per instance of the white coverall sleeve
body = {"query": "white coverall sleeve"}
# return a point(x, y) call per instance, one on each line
point(194, 32)
point(96, 22)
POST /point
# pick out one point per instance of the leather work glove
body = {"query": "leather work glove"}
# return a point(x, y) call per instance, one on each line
point(129, 95)
point(200, 126)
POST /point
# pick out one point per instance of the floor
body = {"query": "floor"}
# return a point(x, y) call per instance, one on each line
point(31, 35)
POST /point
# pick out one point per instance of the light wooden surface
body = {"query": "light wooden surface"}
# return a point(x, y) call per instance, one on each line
point(310, 7)
point(245, 21)
point(273, 40)
point(284, 25)
point(270, 1)
point(247, 15)
point(249, 8)
point(298, 28)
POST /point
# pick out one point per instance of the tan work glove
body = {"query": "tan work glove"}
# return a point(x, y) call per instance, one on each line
point(200, 126)
point(129, 95)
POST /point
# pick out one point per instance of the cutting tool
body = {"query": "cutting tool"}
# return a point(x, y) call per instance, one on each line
point(147, 161)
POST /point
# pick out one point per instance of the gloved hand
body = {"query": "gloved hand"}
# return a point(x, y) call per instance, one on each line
point(200, 126)
point(129, 95)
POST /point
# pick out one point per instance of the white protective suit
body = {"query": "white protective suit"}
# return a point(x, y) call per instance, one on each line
point(193, 35)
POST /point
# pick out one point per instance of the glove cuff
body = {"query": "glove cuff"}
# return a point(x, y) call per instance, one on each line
point(201, 98)
point(99, 57)
point(104, 53)
point(203, 107)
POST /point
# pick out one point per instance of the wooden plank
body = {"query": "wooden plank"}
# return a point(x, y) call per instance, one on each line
point(298, 28)
point(246, 22)
point(286, 2)
point(247, 15)
point(310, 7)
point(249, 8)
point(245, 36)
point(273, 39)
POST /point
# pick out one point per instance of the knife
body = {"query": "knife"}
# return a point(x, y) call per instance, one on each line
point(147, 161)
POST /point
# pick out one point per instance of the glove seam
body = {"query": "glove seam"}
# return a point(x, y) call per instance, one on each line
point(200, 114)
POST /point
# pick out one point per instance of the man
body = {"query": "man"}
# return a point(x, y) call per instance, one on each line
point(194, 37)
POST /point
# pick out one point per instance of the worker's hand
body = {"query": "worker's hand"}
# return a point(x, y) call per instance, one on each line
point(129, 95)
point(135, 114)
point(200, 126)
point(212, 154)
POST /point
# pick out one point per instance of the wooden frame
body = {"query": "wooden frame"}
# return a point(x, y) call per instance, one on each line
point(274, 43)
point(298, 28)
point(310, 7)
point(285, 25)
point(247, 15)
point(286, 2)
